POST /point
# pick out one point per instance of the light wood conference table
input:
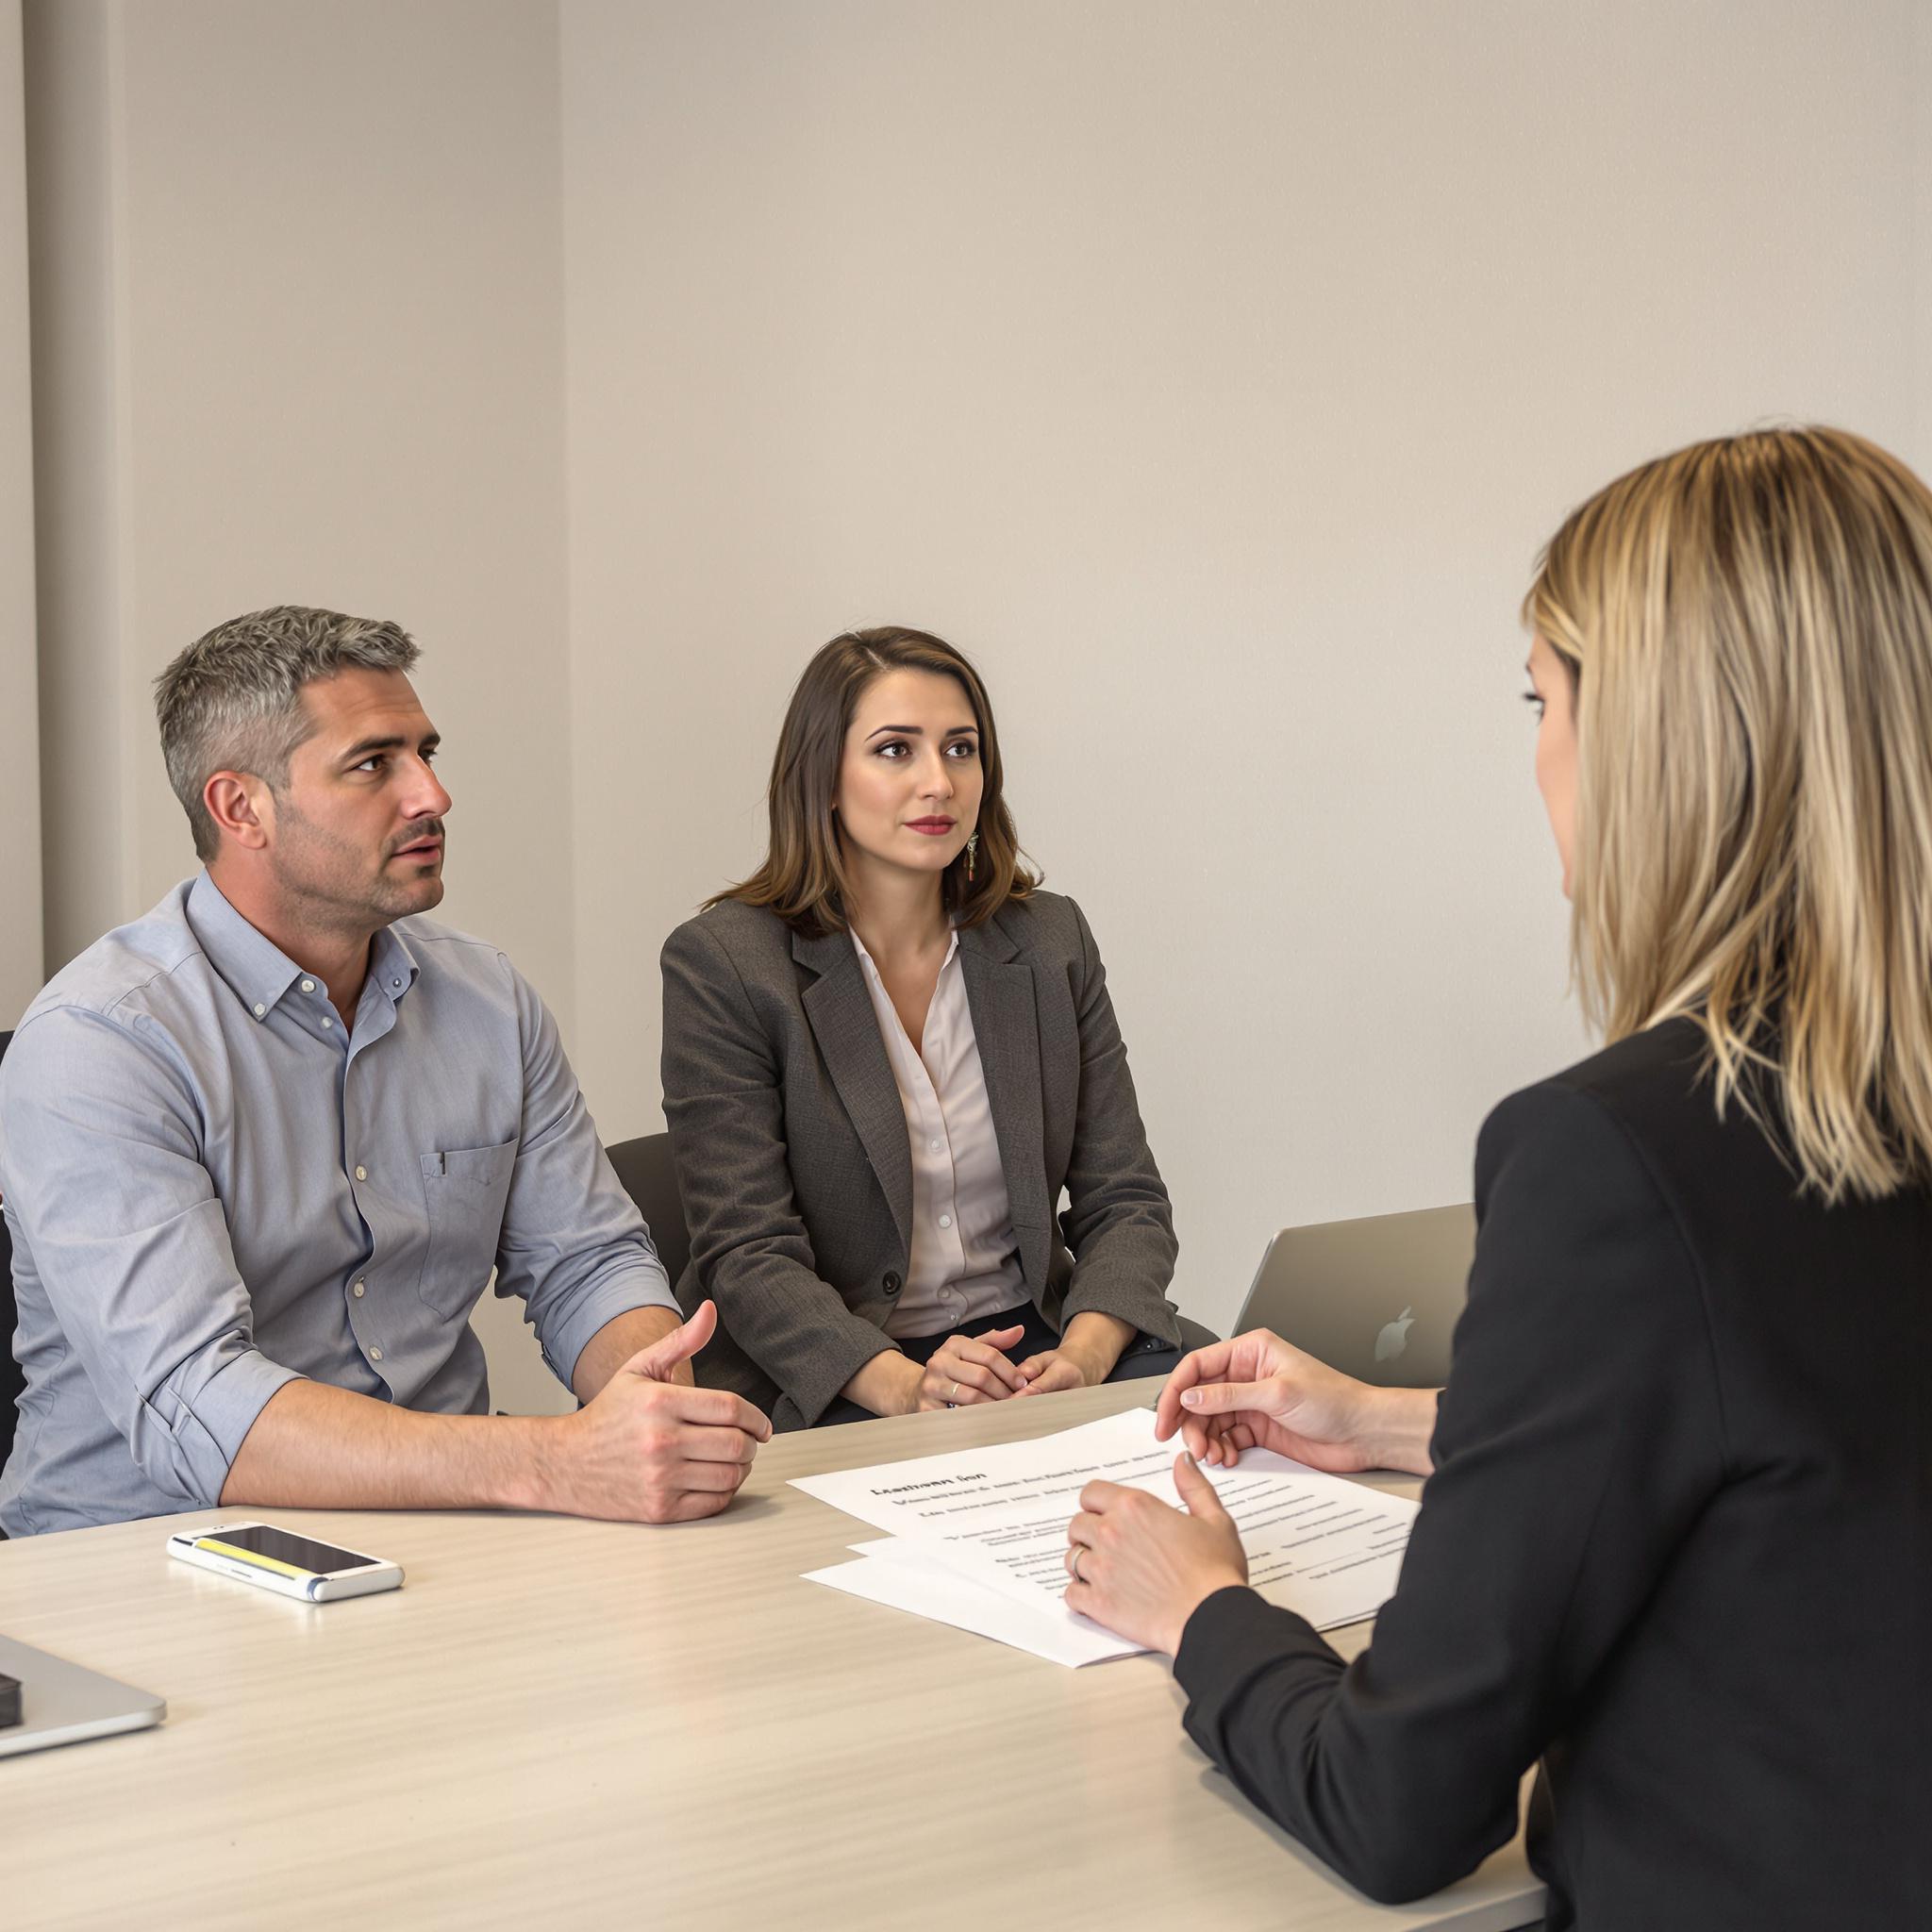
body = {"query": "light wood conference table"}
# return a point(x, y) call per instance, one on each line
point(593, 1724)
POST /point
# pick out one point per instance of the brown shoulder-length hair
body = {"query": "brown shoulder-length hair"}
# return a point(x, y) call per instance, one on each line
point(802, 879)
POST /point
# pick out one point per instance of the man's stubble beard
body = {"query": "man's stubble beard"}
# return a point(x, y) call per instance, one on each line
point(324, 878)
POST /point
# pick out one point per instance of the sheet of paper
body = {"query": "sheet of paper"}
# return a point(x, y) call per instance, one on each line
point(906, 1578)
point(1326, 1548)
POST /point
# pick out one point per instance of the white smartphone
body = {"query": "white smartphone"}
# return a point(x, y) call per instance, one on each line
point(279, 1560)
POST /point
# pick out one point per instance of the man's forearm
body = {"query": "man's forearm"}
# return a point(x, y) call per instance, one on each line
point(316, 1447)
point(615, 1344)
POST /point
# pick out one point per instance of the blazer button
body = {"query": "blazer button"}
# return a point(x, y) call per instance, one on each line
point(891, 1284)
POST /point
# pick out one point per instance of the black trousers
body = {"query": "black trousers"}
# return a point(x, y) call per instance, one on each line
point(1147, 1355)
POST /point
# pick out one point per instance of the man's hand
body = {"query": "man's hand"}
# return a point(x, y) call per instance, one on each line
point(650, 1448)
point(646, 1448)
point(1258, 1391)
point(1142, 1569)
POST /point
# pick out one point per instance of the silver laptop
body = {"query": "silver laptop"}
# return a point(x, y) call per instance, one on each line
point(60, 1703)
point(1377, 1298)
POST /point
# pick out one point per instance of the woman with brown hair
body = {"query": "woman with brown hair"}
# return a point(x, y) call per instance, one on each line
point(885, 1056)
point(1677, 1539)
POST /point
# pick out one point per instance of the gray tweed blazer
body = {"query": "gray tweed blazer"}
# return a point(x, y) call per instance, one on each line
point(791, 1153)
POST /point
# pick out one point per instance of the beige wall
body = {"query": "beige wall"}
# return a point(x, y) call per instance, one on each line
point(1211, 373)
point(299, 339)
point(1210, 370)
point(20, 782)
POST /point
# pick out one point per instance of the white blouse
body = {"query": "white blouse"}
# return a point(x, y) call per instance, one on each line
point(965, 1262)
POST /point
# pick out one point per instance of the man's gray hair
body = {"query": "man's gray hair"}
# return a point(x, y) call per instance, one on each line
point(232, 700)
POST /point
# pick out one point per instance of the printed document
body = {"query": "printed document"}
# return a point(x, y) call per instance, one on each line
point(902, 1576)
point(997, 1518)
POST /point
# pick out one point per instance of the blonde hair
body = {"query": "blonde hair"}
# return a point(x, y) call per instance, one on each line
point(1748, 626)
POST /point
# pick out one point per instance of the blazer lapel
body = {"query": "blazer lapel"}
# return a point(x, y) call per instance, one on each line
point(1005, 1025)
point(839, 1010)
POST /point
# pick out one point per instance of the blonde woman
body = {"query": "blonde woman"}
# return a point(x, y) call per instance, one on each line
point(1676, 1534)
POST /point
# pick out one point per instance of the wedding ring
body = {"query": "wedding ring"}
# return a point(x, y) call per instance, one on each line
point(1074, 1563)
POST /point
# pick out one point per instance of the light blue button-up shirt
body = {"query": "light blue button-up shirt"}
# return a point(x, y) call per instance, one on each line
point(212, 1189)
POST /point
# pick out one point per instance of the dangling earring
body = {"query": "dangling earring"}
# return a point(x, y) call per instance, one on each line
point(972, 853)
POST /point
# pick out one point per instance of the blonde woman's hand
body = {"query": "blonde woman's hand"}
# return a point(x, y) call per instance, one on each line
point(1258, 1391)
point(1142, 1569)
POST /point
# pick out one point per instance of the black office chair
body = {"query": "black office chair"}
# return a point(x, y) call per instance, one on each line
point(12, 1381)
point(1192, 1335)
point(643, 1166)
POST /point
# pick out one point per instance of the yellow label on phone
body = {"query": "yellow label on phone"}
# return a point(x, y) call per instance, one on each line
point(250, 1557)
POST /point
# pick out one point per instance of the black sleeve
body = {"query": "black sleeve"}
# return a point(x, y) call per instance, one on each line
point(1577, 1442)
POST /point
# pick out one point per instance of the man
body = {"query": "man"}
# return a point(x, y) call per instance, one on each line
point(260, 1149)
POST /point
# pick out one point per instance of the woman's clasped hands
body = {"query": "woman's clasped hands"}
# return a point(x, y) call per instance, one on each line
point(969, 1368)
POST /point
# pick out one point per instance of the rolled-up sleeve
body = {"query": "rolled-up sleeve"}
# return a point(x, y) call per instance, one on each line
point(101, 1170)
point(574, 1245)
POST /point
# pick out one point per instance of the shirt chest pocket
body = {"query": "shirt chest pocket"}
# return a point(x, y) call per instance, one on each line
point(464, 1190)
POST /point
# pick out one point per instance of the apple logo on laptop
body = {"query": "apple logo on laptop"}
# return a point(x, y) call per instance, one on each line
point(1395, 1336)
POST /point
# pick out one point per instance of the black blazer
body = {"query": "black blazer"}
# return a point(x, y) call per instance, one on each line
point(1676, 1543)
point(789, 1141)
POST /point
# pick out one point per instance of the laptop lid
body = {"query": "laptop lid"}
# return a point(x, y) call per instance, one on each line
point(1377, 1298)
point(61, 1702)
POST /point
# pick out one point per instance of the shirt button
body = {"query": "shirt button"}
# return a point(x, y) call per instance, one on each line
point(259, 1009)
point(326, 1021)
point(376, 1354)
point(933, 1146)
point(945, 1220)
point(308, 986)
point(361, 1173)
point(357, 1291)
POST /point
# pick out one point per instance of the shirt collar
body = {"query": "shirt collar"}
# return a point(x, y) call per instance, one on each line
point(257, 970)
point(260, 972)
point(951, 947)
point(392, 965)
